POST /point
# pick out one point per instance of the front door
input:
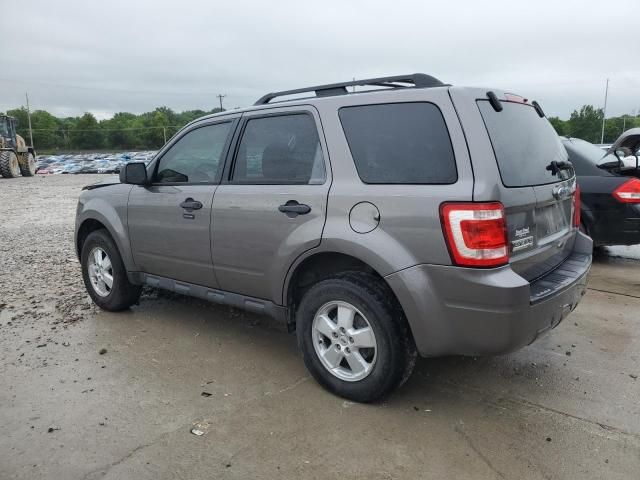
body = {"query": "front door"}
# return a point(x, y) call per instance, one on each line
point(271, 207)
point(170, 220)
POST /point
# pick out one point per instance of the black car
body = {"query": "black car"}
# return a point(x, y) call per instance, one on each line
point(609, 182)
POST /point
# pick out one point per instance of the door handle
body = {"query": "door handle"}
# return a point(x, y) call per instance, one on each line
point(190, 204)
point(292, 208)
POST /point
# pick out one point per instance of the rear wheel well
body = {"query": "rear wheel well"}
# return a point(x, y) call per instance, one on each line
point(88, 226)
point(321, 267)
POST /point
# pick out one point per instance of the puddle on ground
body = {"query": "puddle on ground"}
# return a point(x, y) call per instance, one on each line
point(632, 252)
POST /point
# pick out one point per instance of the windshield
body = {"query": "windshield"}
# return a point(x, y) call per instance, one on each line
point(4, 132)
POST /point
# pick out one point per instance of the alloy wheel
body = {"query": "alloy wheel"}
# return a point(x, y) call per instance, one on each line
point(344, 341)
point(100, 271)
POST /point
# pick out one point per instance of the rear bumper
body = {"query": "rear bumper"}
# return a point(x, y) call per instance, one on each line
point(466, 311)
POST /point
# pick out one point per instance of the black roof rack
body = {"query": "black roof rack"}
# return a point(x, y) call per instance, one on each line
point(418, 80)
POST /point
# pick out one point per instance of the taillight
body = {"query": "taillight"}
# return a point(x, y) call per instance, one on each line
point(577, 205)
point(476, 233)
point(628, 192)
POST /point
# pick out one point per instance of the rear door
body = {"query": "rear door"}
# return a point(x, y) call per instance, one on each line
point(271, 205)
point(522, 168)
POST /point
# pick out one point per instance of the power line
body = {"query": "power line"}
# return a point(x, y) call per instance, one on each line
point(105, 89)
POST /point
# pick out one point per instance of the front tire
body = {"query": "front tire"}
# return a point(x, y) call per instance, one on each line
point(355, 339)
point(104, 274)
point(9, 165)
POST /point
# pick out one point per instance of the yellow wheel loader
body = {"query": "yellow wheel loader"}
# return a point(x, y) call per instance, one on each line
point(15, 157)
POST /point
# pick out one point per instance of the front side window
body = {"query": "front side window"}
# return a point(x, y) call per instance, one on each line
point(399, 143)
point(280, 150)
point(196, 157)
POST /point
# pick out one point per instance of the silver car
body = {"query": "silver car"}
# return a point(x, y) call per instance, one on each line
point(408, 217)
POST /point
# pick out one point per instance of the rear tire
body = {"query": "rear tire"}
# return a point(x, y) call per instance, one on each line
point(28, 167)
point(329, 352)
point(9, 165)
point(104, 274)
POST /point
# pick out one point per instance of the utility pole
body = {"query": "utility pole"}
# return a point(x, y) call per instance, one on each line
point(164, 133)
point(29, 117)
point(604, 112)
point(220, 97)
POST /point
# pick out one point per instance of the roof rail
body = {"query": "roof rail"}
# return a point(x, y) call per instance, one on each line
point(417, 80)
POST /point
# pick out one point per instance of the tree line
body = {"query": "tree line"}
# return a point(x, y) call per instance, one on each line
point(148, 131)
point(586, 124)
point(124, 131)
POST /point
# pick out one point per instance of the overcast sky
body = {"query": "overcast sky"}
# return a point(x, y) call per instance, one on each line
point(105, 57)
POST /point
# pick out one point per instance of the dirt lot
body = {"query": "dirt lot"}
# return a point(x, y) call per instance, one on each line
point(87, 394)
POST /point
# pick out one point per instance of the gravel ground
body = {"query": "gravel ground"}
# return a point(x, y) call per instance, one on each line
point(88, 394)
point(41, 287)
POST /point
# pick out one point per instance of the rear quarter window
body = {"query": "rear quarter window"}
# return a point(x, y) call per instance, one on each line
point(399, 143)
point(524, 144)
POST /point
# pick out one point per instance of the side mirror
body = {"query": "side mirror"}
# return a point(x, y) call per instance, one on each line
point(134, 173)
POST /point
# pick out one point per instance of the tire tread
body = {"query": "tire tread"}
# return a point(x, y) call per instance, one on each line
point(5, 164)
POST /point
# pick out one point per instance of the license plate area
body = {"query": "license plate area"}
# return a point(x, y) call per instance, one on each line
point(553, 219)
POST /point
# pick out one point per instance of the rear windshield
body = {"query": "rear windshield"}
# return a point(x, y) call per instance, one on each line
point(399, 143)
point(524, 144)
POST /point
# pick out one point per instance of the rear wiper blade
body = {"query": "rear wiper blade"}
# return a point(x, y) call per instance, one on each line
point(554, 167)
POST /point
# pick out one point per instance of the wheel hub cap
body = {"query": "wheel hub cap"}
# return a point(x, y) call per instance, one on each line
point(344, 341)
point(100, 271)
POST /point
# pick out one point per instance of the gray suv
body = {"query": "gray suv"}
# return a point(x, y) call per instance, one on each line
point(408, 217)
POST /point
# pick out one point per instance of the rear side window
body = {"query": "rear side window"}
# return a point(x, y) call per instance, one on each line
point(399, 143)
point(281, 150)
point(524, 144)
